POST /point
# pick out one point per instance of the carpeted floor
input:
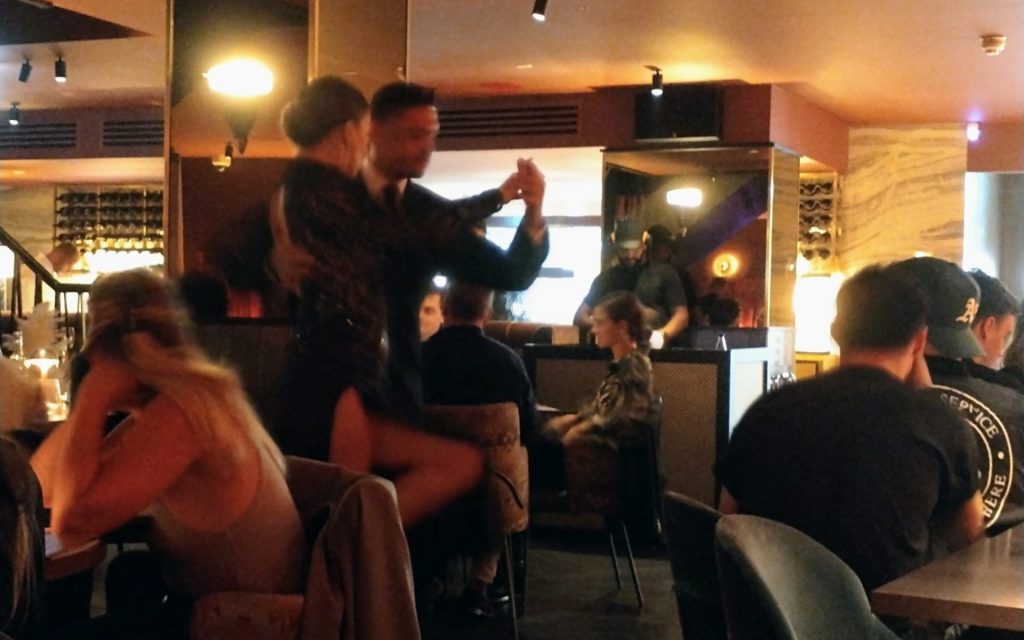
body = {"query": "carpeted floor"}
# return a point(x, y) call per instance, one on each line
point(571, 594)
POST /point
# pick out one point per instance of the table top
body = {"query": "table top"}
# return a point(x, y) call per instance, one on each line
point(68, 557)
point(982, 585)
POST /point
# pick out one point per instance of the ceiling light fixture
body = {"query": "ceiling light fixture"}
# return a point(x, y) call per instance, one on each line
point(14, 115)
point(993, 44)
point(60, 70)
point(657, 80)
point(540, 7)
point(686, 197)
point(25, 72)
point(973, 131)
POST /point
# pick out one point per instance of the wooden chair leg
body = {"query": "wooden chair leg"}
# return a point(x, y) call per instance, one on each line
point(511, 587)
point(632, 565)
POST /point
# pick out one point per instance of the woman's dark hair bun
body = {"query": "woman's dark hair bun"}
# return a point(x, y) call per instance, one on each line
point(321, 106)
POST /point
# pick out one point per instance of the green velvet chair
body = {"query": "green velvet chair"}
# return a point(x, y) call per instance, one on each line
point(779, 584)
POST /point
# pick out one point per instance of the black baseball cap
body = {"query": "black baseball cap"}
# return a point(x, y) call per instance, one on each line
point(629, 233)
point(953, 298)
point(659, 233)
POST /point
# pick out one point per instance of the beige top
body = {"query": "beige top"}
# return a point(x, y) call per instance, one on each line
point(263, 551)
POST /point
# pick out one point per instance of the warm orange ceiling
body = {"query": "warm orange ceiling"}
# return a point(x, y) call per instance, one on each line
point(871, 61)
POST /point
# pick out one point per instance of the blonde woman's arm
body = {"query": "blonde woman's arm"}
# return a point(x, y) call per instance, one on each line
point(99, 483)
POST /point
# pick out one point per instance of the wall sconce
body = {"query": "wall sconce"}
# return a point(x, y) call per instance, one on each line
point(687, 197)
point(241, 82)
point(814, 302)
point(725, 265)
point(60, 70)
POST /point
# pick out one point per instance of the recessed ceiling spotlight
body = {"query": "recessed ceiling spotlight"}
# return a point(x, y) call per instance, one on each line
point(973, 131)
point(25, 72)
point(993, 44)
point(60, 70)
point(657, 80)
point(524, 66)
point(540, 7)
point(14, 115)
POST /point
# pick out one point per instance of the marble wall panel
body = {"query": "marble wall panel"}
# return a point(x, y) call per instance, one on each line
point(782, 238)
point(904, 193)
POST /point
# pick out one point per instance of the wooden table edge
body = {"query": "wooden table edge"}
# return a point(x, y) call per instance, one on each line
point(73, 560)
point(923, 608)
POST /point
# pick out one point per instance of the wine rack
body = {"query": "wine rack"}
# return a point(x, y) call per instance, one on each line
point(819, 200)
point(110, 218)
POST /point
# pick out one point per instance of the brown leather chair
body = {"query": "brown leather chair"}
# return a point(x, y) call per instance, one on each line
point(495, 428)
point(355, 537)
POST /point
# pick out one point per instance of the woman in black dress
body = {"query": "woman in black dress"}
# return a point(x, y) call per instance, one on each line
point(323, 218)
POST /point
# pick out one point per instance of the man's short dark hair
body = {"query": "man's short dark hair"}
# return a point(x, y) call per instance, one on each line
point(467, 302)
point(996, 299)
point(878, 308)
point(392, 99)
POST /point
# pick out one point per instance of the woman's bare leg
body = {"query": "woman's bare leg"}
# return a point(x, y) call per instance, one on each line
point(431, 471)
point(351, 443)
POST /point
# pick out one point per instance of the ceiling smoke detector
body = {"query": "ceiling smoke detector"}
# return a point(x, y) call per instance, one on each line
point(993, 45)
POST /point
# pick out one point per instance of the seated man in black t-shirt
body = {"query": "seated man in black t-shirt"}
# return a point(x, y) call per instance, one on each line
point(858, 460)
point(993, 408)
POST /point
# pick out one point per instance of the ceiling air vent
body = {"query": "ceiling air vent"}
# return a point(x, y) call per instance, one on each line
point(133, 133)
point(510, 121)
point(63, 135)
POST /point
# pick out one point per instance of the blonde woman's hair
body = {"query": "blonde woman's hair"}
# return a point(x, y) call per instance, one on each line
point(137, 319)
point(20, 536)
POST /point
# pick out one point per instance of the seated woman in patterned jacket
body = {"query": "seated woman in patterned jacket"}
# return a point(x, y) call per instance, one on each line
point(623, 409)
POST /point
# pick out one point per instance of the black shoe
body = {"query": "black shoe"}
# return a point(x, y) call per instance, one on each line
point(476, 603)
point(497, 592)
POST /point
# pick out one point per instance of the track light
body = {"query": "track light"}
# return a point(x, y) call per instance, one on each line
point(60, 70)
point(14, 115)
point(539, 9)
point(26, 71)
point(657, 80)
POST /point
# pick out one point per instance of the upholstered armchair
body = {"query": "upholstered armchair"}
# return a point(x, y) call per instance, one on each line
point(359, 584)
point(495, 428)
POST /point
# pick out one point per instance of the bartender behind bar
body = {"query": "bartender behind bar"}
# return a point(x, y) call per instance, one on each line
point(656, 283)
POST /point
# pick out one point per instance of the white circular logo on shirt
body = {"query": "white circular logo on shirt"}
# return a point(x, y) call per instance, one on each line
point(993, 446)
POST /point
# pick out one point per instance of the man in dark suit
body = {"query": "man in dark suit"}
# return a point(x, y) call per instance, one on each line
point(403, 130)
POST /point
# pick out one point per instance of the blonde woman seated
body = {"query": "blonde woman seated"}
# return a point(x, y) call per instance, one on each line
point(191, 454)
point(622, 411)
